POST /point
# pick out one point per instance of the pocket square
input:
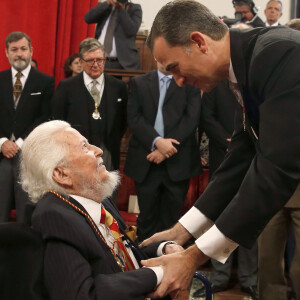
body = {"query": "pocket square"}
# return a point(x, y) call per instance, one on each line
point(33, 94)
point(119, 100)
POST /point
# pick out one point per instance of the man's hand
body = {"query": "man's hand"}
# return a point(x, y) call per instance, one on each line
point(179, 269)
point(177, 234)
point(165, 146)
point(156, 157)
point(9, 149)
point(173, 248)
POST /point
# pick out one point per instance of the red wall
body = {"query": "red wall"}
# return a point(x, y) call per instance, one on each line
point(55, 27)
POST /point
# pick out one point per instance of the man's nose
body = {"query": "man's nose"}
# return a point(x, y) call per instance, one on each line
point(97, 151)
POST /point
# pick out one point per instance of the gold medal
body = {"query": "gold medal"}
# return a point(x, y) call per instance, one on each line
point(96, 114)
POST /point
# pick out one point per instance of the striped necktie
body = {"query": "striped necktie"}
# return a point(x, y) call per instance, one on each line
point(110, 222)
point(17, 87)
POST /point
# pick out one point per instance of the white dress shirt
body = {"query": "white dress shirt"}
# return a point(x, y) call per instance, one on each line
point(23, 79)
point(113, 52)
point(88, 82)
point(94, 210)
point(209, 239)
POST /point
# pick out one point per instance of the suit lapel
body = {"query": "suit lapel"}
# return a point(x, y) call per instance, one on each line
point(7, 90)
point(154, 88)
point(172, 88)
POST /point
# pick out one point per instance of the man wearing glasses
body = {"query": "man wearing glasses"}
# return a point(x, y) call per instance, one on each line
point(94, 103)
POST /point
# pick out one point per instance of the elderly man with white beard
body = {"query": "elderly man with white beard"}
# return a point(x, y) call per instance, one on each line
point(86, 245)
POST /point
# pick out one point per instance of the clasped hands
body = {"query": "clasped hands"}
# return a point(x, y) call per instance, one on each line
point(9, 149)
point(179, 267)
point(164, 149)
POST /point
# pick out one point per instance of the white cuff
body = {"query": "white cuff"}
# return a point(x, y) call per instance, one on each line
point(2, 141)
point(215, 244)
point(159, 272)
point(195, 222)
point(19, 142)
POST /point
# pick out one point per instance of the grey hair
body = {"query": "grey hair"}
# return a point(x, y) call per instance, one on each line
point(178, 19)
point(294, 24)
point(275, 1)
point(89, 44)
point(41, 153)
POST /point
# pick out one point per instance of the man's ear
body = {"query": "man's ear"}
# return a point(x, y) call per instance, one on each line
point(197, 38)
point(61, 175)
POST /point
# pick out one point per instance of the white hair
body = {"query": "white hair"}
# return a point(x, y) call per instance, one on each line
point(41, 153)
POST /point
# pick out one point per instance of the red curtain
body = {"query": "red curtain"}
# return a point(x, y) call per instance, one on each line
point(55, 27)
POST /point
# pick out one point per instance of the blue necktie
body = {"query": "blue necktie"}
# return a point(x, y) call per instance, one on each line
point(159, 121)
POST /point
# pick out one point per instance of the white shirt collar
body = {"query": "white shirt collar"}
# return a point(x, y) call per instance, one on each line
point(24, 72)
point(232, 77)
point(88, 80)
point(92, 207)
point(275, 24)
point(161, 75)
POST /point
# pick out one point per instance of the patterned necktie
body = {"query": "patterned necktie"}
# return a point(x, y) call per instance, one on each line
point(110, 32)
point(237, 93)
point(159, 121)
point(95, 92)
point(17, 87)
point(110, 222)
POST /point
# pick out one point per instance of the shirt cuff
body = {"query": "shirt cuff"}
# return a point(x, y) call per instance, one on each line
point(19, 142)
point(195, 222)
point(159, 272)
point(2, 141)
point(216, 245)
point(153, 143)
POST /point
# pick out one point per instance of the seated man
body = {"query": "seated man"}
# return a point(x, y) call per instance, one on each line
point(85, 253)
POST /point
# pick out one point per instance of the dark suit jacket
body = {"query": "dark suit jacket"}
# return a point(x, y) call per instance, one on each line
point(77, 264)
point(73, 103)
point(33, 107)
point(128, 24)
point(181, 112)
point(218, 110)
point(256, 22)
point(259, 176)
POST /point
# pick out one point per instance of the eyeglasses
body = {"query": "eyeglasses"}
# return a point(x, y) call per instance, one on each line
point(98, 61)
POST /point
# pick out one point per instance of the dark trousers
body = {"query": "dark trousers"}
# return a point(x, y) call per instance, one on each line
point(11, 192)
point(160, 201)
point(247, 268)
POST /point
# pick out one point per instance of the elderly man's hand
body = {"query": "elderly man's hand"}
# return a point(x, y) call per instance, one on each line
point(173, 248)
point(9, 149)
point(179, 269)
point(177, 234)
point(165, 146)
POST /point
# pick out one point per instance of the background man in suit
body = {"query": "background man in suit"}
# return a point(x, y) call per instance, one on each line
point(260, 172)
point(249, 12)
point(273, 241)
point(85, 253)
point(25, 95)
point(163, 152)
point(94, 103)
point(118, 22)
point(273, 12)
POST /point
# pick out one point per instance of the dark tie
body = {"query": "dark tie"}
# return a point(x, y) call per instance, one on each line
point(236, 91)
point(110, 222)
point(238, 95)
point(17, 87)
point(159, 121)
point(110, 32)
